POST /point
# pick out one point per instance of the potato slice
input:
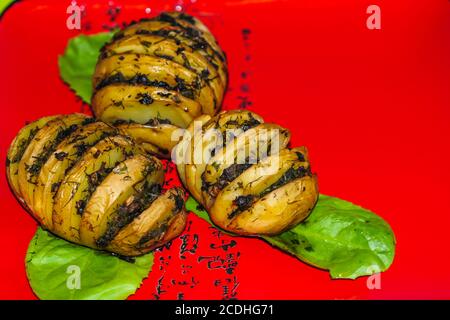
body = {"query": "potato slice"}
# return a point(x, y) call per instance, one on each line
point(252, 145)
point(163, 220)
point(164, 29)
point(102, 209)
point(153, 150)
point(204, 140)
point(187, 22)
point(82, 180)
point(251, 183)
point(17, 149)
point(60, 161)
point(279, 210)
point(182, 152)
point(117, 94)
point(157, 72)
point(238, 119)
point(133, 111)
point(167, 48)
point(198, 158)
point(156, 139)
point(40, 149)
point(130, 65)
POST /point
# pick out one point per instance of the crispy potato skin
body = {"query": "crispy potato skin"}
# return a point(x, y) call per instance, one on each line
point(266, 196)
point(16, 150)
point(87, 183)
point(40, 147)
point(161, 72)
point(63, 158)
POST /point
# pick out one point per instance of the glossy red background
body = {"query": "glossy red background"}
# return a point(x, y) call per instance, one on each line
point(373, 107)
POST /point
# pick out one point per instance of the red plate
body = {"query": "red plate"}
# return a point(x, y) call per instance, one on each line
point(372, 106)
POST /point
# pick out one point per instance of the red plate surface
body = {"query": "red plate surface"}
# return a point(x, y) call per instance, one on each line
point(372, 106)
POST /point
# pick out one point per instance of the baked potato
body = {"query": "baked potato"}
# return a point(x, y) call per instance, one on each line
point(89, 183)
point(158, 75)
point(241, 170)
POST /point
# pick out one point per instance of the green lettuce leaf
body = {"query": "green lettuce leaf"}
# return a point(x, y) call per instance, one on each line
point(338, 236)
point(53, 266)
point(5, 4)
point(77, 64)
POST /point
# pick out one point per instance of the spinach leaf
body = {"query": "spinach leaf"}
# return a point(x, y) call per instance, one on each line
point(338, 236)
point(77, 64)
point(53, 266)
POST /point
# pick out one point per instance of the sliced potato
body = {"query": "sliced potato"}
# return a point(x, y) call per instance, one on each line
point(248, 147)
point(157, 139)
point(40, 149)
point(17, 149)
point(182, 152)
point(117, 94)
point(188, 22)
point(154, 66)
point(251, 183)
point(206, 140)
point(153, 150)
point(125, 180)
point(164, 29)
point(279, 210)
point(157, 72)
point(163, 220)
point(167, 48)
point(160, 113)
point(238, 119)
point(92, 181)
point(82, 180)
point(60, 161)
point(133, 111)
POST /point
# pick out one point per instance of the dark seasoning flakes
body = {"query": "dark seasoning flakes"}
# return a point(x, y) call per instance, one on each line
point(112, 13)
point(224, 258)
point(85, 23)
point(244, 87)
point(218, 253)
point(48, 149)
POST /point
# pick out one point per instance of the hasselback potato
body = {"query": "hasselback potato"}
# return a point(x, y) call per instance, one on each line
point(241, 170)
point(156, 76)
point(90, 184)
